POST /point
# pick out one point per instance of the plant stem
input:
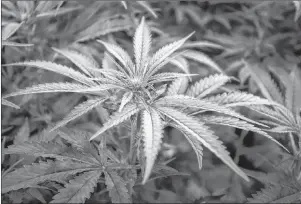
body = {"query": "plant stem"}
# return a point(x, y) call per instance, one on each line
point(240, 146)
point(102, 147)
point(11, 167)
point(132, 145)
point(294, 147)
point(299, 142)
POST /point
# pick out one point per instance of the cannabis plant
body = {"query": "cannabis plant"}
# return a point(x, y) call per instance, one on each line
point(75, 156)
point(282, 86)
point(136, 90)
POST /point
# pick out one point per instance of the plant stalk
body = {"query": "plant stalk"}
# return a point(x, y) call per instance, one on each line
point(132, 154)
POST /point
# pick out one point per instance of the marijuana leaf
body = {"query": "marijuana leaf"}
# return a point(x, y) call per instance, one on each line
point(202, 133)
point(58, 68)
point(8, 103)
point(78, 189)
point(117, 118)
point(80, 110)
point(152, 136)
point(207, 85)
point(117, 189)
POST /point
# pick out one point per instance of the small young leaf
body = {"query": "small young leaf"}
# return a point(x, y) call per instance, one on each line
point(127, 97)
point(142, 43)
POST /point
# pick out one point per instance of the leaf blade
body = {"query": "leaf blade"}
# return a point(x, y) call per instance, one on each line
point(80, 110)
point(58, 68)
point(117, 188)
point(36, 173)
point(61, 87)
point(152, 137)
point(117, 118)
point(142, 43)
point(78, 189)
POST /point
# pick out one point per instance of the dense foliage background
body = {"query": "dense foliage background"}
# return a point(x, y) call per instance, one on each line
point(258, 43)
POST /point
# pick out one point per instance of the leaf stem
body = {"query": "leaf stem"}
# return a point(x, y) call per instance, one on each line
point(294, 146)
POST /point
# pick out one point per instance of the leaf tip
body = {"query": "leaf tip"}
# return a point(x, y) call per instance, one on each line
point(191, 34)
